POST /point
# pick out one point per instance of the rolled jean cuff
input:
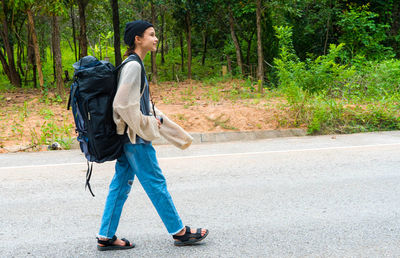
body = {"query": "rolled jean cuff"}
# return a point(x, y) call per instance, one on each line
point(101, 236)
point(174, 233)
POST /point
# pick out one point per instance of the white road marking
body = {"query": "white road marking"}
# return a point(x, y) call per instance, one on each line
point(222, 155)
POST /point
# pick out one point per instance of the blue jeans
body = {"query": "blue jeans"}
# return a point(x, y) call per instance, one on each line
point(139, 160)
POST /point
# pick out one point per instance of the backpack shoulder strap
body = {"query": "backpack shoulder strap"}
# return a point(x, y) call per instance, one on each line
point(72, 94)
point(136, 58)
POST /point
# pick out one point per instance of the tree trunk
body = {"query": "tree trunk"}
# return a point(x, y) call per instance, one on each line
point(52, 52)
point(260, 72)
point(34, 75)
point(162, 13)
point(328, 22)
point(165, 35)
point(327, 34)
point(74, 32)
point(395, 27)
point(20, 48)
point(228, 60)
point(45, 38)
point(205, 40)
point(249, 48)
point(35, 47)
point(4, 63)
point(117, 37)
point(248, 52)
point(189, 44)
point(100, 52)
point(235, 40)
point(83, 44)
point(57, 56)
point(395, 18)
point(31, 60)
point(153, 53)
point(182, 52)
point(9, 66)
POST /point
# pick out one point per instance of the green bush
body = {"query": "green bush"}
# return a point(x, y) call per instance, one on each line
point(362, 35)
point(379, 80)
point(327, 96)
point(324, 73)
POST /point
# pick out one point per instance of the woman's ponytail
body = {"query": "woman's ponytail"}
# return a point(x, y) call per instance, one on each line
point(130, 51)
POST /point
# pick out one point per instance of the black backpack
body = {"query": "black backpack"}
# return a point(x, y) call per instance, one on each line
point(91, 98)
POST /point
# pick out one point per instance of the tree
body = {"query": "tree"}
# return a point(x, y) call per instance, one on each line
point(235, 39)
point(17, 27)
point(117, 37)
point(57, 55)
point(31, 60)
point(245, 25)
point(153, 54)
point(55, 8)
point(83, 44)
point(182, 15)
point(260, 70)
point(395, 27)
point(203, 14)
point(162, 31)
point(72, 17)
point(9, 63)
point(31, 26)
point(188, 22)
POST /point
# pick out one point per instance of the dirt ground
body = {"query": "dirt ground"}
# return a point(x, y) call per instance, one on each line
point(27, 117)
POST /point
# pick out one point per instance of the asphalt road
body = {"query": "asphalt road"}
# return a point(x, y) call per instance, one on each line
point(287, 197)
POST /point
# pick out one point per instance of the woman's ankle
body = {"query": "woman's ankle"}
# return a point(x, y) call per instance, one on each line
point(182, 232)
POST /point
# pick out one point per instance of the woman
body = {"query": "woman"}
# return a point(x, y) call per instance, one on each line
point(132, 114)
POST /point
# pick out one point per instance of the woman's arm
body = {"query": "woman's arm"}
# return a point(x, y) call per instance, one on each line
point(173, 133)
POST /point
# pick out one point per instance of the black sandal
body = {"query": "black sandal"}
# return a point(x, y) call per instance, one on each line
point(109, 244)
point(189, 238)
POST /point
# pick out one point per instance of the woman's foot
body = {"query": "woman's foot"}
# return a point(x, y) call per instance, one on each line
point(114, 243)
point(193, 231)
point(188, 236)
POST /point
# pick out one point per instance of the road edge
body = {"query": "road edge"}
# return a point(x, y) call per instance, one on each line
point(215, 137)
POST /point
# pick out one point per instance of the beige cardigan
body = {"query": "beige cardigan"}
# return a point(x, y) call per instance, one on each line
point(126, 107)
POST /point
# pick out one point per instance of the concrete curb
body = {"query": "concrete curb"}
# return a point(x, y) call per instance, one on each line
point(211, 137)
point(230, 136)
point(239, 136)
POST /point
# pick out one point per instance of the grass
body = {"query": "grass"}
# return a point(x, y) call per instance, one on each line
point(223, 123)
point(36, 118)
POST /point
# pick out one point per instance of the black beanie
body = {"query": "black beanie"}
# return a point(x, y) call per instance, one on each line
point(133, 29)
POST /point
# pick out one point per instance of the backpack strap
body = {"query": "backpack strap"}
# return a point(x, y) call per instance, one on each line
point(134, 57)
point(71, 96)
point(88, 176)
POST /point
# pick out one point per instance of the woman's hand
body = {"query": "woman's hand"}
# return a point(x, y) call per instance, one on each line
point(159, 121)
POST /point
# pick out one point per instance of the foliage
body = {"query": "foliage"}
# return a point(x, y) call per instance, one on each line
point(324, 73)
point(362, 35)
point(321, 92)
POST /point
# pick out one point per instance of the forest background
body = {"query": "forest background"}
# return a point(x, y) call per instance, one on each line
point(329, 66)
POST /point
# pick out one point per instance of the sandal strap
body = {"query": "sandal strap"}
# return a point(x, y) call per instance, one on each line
point(127, 243)
point(188, 234)
point(184, 236)
point(197, 234)
point(107, 242)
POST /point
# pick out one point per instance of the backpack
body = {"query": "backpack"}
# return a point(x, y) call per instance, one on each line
point(91, 97)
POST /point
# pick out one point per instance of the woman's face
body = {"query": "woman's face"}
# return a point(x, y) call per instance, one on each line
point(149, 40)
